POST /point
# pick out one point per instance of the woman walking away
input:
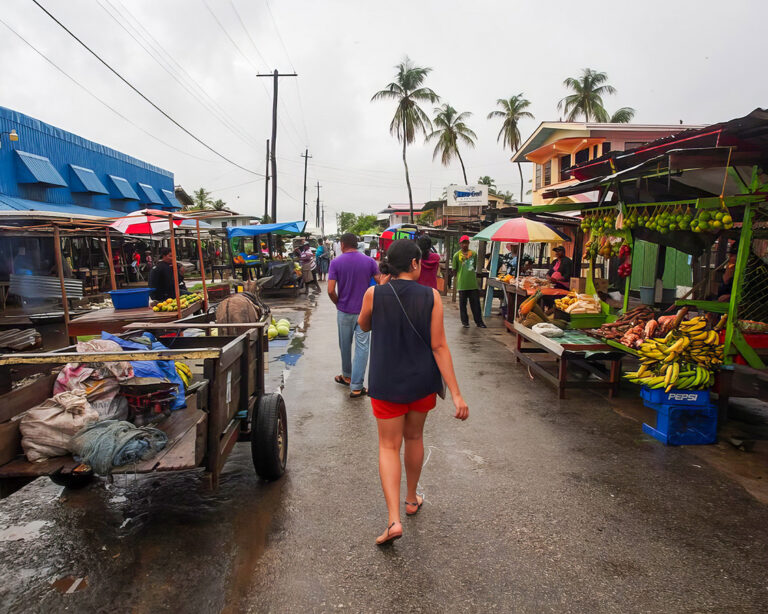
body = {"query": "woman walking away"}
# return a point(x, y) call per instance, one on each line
point(429, 262)
point(409, 353)
point(308, 268)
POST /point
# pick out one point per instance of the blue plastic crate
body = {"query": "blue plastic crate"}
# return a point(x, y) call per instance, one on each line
point(680, 425)
point(675, 396)
point(130, 299)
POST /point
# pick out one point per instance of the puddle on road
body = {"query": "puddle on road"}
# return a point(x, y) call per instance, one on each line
point(284, 354)
point(31, 530)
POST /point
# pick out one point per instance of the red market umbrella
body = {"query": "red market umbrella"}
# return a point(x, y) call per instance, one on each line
point(147, 222)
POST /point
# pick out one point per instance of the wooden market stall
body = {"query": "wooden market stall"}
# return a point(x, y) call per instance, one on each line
point(701, 193)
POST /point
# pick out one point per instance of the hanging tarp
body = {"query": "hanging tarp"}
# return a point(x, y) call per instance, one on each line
point(279, 228)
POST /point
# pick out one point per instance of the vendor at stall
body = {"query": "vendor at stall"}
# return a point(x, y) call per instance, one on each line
point(725, 288)
point(561, 270)
point(161, 277)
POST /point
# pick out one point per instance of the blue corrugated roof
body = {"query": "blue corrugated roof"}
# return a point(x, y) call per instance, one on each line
point(121, 189)
point(171, 198)
point(37, 169)
point(11, 203)
point(150, 196)
point(85, 180)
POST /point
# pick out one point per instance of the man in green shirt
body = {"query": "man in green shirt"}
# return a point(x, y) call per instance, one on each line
point(464, 265)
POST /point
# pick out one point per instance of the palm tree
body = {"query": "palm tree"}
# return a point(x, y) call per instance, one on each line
point(624, 115)
point(513, 110)
point(407, 90)
point(202, 198)
point(489, 181)
point(218, 205)
point(450, 130)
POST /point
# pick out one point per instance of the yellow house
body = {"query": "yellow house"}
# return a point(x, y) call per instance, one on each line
point(556, 146)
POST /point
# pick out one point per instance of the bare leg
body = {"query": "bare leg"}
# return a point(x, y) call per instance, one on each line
point(414, 452)
point(390, 441)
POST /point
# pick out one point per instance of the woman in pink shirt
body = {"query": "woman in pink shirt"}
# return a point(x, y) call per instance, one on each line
point(429, 262)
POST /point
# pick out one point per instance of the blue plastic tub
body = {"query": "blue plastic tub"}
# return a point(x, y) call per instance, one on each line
point(681, 425)
point(130, 299)
point(675, 397)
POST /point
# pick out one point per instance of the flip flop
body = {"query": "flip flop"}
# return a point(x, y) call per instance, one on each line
point(339, 379)
point(356, 394)
point(417, 504)
point(390, 536)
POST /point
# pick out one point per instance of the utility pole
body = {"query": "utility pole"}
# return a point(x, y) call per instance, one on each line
point(322, 220)
point(275, 75)
point(266, 184)
point(317, 208)
point(306, 157)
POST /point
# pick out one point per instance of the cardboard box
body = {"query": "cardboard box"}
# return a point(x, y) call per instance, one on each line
point(579, 284)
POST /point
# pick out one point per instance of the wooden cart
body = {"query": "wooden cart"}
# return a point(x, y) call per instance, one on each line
point(226, 403)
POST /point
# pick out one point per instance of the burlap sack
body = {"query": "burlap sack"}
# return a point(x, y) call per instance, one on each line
point(47, 428)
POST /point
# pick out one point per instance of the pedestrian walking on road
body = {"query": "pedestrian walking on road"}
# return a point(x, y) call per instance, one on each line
point(464, 265)
point(409, 356)
point(308, 268)
point(349, 276)
point(430, 261)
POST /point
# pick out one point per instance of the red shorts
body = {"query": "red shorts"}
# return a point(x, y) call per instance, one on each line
point(386, 409)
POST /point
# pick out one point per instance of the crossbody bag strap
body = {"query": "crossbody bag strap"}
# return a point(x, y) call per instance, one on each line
point(405, 313)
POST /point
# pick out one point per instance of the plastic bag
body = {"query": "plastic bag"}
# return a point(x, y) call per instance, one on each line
point(47, 428)
point(547, 329)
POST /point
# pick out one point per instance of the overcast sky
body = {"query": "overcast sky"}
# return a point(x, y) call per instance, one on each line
point(699, 61)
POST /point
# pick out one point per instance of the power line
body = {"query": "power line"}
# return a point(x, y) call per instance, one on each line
point(135, 89)
point(106, 104)
point(166, 61)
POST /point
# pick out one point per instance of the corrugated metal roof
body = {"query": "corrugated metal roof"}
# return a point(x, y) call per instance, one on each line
point(37, 169)
point(85, 180)
point(11, 203)
point(150, 196)
point(171, 198)
point(121, 189)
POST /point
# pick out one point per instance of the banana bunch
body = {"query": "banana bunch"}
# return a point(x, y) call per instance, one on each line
point(684, 359)
point(184, 372)
point(680, 375)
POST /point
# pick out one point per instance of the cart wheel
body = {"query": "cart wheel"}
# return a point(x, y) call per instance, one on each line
point(73, 481)
point(269, 437)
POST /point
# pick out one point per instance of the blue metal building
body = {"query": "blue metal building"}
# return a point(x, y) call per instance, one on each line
point(46, 169)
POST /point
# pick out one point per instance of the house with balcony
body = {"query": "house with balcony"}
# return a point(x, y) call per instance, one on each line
point(396, 213)
point(554, 147)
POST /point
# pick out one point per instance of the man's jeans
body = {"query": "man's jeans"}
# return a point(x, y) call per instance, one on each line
point(349, 330)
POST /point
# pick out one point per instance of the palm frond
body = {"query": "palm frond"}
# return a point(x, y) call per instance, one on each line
point(624, 115)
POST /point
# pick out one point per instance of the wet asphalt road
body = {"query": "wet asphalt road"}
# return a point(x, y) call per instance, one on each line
point(532, 505)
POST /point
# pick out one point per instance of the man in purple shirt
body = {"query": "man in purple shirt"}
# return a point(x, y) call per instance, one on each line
point(349, 276)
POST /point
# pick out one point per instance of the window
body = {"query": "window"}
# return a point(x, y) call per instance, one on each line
point(537, 183)
point(548, 173)
point(606, 147)
point(582, 156)
point(632, 144)
point(594, 151)
point(565, 162)
point(223, 224)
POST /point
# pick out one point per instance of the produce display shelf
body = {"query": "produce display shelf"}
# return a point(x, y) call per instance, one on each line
point(620, 346)
point(711, 306)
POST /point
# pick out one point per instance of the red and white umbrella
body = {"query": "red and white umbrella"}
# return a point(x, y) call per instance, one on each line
point(151, 221)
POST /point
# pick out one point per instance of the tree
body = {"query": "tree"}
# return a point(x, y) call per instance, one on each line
point(587, 99)
point(624, 115)
point(427, 218)
point(451, 129)
point(512, 111)
point(218, 205)
point(486, 180)
point(364, 224)
point(345, 221)
point(407, 90)
point(201, 198)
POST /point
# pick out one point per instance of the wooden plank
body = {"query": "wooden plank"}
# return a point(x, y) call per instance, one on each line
point(178, 325)
point(65, 357)
point(228, 442)
point(113, 320)
point(21, 467)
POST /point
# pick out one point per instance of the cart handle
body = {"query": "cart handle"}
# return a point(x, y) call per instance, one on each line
point(160, 326)
point(86, 358)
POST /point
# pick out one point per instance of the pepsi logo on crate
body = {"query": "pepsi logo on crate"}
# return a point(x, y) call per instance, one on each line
point(675, 397)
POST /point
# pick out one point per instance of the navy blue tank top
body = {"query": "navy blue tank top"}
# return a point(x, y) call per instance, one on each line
point(403, 368)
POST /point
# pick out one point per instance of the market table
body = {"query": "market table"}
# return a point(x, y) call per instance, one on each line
point(113, 320)
point(511, 289)
point(576, 348)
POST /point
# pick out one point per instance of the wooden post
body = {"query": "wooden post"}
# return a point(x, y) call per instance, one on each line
point(111, 265)
point(175, 265)
point(60, 269)
point(202, 265)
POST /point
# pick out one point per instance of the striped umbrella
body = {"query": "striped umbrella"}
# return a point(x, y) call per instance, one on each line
point(147, 222)
point(521, 230)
